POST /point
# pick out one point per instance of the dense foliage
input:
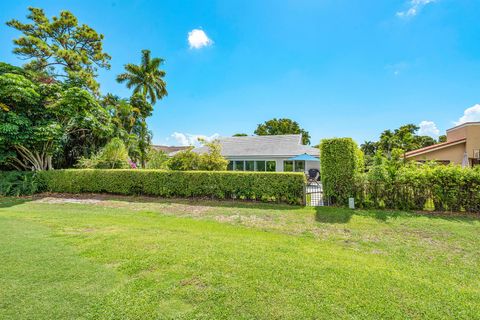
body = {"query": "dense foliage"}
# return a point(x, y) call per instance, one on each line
point(403, 139)
point(340, 161)
point(389, 184)
point(190, 160)
point(51, 112)
point(18, 183)
point(282, 126)
point(261, 186)
point(157, 159)
point(113, 156)
point(61, 47)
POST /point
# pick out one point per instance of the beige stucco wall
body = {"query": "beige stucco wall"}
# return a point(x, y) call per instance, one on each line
point(454, 154)
point(469, 131)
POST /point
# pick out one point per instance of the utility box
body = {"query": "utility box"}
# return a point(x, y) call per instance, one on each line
point(351, 203)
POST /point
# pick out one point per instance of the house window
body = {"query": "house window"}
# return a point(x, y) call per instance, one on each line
point(230, 166)
point(300, 166)
point(271, 166)
point(239, 166)
point(288, 166)
point(249, 165)
point(260, 165)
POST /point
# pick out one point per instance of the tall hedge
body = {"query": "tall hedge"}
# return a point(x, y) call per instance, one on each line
point(340, 161)
point(262, 186)
point(421, 187)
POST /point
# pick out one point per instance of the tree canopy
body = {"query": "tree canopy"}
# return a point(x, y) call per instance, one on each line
point(400, 140)
point(60, 47)
point(146, 79)
point(282, 126)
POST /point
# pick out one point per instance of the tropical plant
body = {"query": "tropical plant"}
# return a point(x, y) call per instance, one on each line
point(282, 126)
point(145, 79)
point(213, 159)
point(113, 156)
point(157, 159)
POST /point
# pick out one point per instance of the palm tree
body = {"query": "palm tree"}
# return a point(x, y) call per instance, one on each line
point(146, 78)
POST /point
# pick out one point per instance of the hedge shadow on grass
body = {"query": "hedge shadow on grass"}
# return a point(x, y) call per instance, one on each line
point(336, 215)
point(8, 202)
point(333, 215)
point(209, 202)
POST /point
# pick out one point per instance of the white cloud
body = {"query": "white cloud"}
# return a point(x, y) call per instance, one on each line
point(414, 7)
point(197, 39)
point(428, 128)
point(187, 139)
point(471, 114)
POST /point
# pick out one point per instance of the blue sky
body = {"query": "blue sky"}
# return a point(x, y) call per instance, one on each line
point(338, 67)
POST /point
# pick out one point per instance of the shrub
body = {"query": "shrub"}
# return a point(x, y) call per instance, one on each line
point(190, 160)
point(420, 187)
point(184, 160)
point(18, 183)
point(113, 156)
point(157, 159)
point(261, 186)
point(340, 161)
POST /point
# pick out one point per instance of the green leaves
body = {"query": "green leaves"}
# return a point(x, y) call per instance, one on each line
point(146, 79)
point(340, 162)
point(282, 126)
point(260, 186)
point(419, 187)
point(61, 47)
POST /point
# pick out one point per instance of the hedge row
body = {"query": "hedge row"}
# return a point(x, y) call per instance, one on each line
point(427, 187)
point(261, 186)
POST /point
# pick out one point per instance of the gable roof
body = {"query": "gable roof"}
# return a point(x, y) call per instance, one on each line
point(434, 147)
point(264, 146)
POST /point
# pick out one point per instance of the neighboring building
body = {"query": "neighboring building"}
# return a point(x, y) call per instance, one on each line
point(462, 147)
point(267, 153)
point(169, 149)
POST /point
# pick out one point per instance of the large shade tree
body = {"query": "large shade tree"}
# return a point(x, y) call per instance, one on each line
point(37, 119)
point(61, 48)
point(282, 126)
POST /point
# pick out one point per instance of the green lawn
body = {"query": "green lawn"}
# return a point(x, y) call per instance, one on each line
point(116, 258)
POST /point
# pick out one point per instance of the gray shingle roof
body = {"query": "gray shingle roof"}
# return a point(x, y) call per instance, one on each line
point(280, 145)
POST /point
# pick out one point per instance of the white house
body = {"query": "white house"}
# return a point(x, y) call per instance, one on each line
point(268, 153)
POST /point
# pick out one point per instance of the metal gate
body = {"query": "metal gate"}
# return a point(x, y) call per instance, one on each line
point(314, 194)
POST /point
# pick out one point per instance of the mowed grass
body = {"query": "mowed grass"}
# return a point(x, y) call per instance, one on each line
point(126, 258)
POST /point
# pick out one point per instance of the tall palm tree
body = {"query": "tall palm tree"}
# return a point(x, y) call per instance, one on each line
point(146, 78)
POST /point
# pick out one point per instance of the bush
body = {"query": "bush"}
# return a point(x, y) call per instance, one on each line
point(261, 186)
point(190, 160)
point(18, 183)
point(113, 156)
point(184, 160)
point(157, 159)
point(420, 187)
point(340, 161)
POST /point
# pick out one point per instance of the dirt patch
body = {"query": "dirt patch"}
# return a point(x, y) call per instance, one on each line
point(55, 200)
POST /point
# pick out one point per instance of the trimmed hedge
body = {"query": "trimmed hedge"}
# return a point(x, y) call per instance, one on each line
point(261, 186)
point(425, 187)
point(340, 161)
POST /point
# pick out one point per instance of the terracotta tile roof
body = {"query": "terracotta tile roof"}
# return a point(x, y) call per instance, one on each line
point(434, 147)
